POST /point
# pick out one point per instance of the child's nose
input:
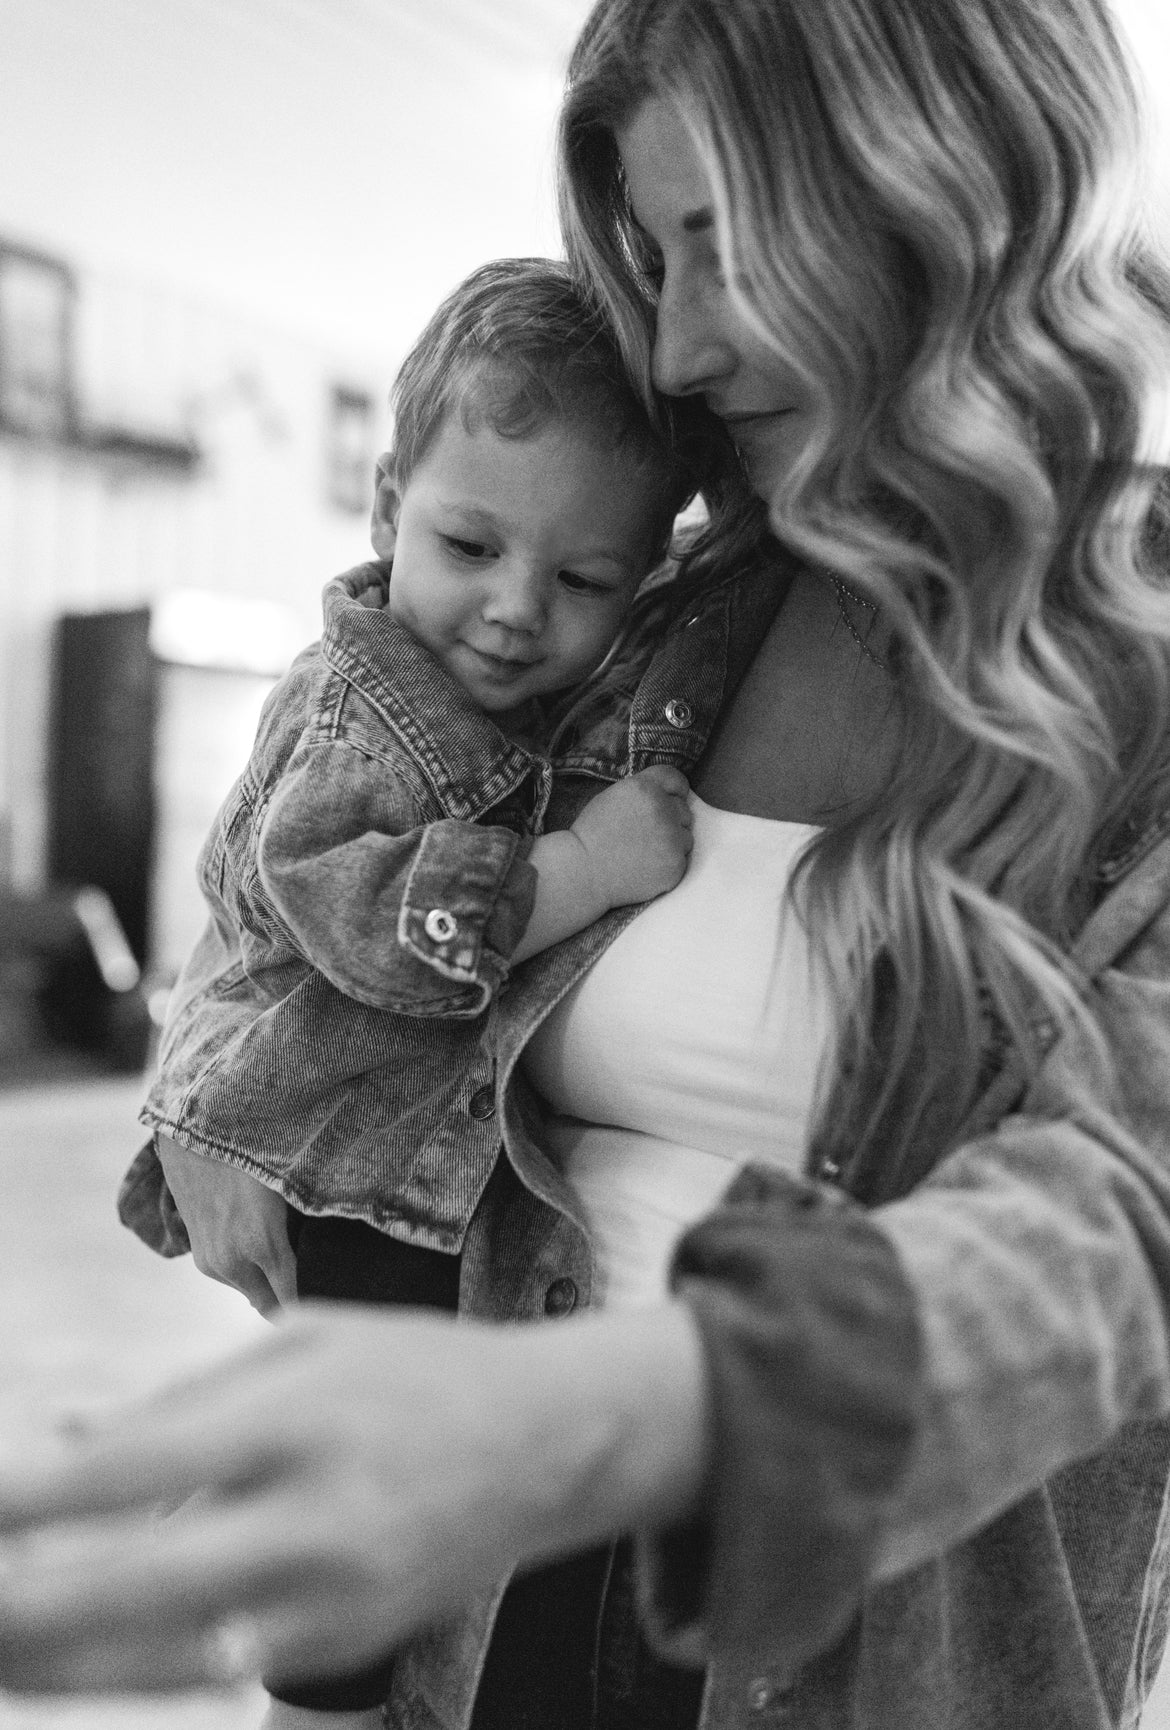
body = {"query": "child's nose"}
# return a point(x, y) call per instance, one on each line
point(516, 598)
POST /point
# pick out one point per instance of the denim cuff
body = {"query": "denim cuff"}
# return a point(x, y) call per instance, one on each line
point(147, 1207)
point(814, 1364)
point(467, 901)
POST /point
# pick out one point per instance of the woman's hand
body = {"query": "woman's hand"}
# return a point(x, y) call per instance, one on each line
point(361, 1473)
point(238, 1226)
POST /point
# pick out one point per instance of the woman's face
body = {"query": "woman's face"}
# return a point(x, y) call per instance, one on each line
point(702, 345)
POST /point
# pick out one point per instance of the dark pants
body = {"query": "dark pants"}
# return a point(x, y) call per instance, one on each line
point(346, 1259)
point(568, 1654)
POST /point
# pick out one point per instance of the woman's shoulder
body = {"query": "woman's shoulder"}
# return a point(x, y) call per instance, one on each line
point(676, 596)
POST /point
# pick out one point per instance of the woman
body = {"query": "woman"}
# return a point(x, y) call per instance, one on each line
point(896, 1442)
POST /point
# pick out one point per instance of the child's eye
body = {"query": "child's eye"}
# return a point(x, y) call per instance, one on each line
point(467, 549)
point(579, 585)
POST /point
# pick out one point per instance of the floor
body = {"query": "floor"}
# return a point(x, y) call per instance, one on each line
point(93, 1320)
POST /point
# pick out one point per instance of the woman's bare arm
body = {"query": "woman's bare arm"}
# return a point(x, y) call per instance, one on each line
point(360, 1473)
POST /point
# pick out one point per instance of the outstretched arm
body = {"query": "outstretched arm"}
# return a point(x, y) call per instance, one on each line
point(362, 1473)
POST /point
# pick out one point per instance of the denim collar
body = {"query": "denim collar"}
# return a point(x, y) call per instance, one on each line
point(471, 763)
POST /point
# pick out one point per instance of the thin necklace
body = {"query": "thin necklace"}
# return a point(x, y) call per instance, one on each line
point(845, 594)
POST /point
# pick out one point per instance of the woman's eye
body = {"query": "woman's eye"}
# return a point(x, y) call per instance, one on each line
point(467, 549)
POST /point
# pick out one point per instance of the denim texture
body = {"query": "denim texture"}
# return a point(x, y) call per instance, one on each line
point(366, 882)
point(941, 1437)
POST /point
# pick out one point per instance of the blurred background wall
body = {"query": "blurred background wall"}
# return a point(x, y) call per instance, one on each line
point(221, 223)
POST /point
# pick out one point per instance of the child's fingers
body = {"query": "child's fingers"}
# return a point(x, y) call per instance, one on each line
point(670, 779)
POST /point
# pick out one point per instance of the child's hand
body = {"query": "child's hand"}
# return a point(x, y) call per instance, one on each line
point(238, 1226)
point(637, 835)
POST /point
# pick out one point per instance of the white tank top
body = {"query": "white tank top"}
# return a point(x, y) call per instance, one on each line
point(689, 1048)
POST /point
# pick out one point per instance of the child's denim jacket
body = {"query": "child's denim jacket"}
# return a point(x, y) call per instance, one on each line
point(366, 880)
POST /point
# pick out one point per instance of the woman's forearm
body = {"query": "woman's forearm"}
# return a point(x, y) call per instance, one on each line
point(625, 1401)
point(363, 1472)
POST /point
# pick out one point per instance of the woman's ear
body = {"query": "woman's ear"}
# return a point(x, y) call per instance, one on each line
point(384, 523)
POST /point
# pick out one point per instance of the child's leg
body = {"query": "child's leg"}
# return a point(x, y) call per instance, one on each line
point(348, 1260)
point(345, 1258)
point(282, 1717)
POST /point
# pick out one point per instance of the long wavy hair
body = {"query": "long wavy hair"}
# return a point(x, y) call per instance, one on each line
point(932, 211)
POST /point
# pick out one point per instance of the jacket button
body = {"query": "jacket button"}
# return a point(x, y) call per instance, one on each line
point(760, 1694)
point(830, 1171)
point(440, 926)
point(482, 1103)
point(679, 713)
point(560, 1298)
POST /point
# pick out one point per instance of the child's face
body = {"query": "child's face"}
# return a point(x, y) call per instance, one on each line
point(516, 559)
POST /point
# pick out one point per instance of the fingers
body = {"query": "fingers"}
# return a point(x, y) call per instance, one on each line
point(670, 779)
point(279, 1269)
point(143, 1606)
point(158, 1452)
point(254, 1284)
point(230, 1588)
point(241, 1274)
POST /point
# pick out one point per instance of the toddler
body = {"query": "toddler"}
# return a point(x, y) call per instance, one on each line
point(379, 865)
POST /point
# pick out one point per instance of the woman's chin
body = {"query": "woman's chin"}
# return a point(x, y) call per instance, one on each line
point(768, 451)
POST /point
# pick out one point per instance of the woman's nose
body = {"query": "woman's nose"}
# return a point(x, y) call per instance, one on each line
point(692, 348)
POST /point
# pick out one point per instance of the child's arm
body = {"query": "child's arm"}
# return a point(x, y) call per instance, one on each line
point(400, 913)
point(630, 843)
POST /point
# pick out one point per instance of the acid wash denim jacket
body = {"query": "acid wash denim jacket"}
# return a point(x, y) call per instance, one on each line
point(367, 880)
point(941, 1445)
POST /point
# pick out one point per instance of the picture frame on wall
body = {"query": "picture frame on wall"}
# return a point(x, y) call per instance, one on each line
point(37, 298)
point(350, 437)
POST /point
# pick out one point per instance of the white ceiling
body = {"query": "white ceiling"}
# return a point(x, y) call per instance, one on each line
point(333, 165)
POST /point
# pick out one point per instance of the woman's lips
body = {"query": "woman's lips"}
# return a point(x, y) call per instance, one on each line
point(756, 417)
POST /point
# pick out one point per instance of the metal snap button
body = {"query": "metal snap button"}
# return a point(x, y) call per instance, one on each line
point(482, 1103)
point(830, 1170)
point(679, 713)
point(560, 1298)
point(440, 926)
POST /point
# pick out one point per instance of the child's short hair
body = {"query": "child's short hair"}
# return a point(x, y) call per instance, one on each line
point(519, 345)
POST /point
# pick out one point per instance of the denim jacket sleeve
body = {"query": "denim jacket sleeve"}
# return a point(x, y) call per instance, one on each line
point(391, 912)
point(886, 1382)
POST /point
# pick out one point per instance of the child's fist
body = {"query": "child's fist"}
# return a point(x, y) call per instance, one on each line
point(637, 835)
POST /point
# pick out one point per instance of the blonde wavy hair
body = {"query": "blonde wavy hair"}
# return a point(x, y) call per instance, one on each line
point(931, 210)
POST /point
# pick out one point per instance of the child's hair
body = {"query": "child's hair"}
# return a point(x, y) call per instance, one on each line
point(518, 345)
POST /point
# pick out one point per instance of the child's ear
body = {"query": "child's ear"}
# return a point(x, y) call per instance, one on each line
point(384, 523)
